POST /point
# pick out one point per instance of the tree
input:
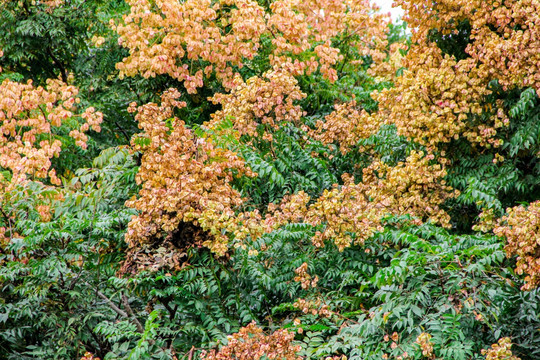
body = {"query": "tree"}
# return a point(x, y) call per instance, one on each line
point(307, 181)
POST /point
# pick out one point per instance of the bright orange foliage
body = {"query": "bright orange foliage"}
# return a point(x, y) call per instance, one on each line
point(28, 116)
point(218, 37)
point(250, 343)
point(160, 34)
point(269, 100)
point(440, 98)
point(304, 278)
point(505, 34)
point(297, 25)
point(521, 228)
point(500, 350)
point(346, 125)
point(185, 179)
point(352, 213)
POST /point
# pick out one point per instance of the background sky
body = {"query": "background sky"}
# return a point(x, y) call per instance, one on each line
point(386, 6)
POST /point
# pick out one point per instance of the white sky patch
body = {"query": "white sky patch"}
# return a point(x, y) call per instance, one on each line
point(386, 7)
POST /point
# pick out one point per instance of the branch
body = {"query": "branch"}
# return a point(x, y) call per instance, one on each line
point(58, 64)
point(122, 131)
point(108, 301)
point(74, 281)
point(140, 328)
point(172, 312)
point(128, 315)
point(9, 223)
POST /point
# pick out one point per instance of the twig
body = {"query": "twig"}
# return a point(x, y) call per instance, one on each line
point(140, 328)
point(108, 301)
point(59, 65)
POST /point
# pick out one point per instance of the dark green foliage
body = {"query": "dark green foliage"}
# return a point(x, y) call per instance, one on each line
point(426, 280)
point(285, 166)
point(51, 273)
point(61, 291)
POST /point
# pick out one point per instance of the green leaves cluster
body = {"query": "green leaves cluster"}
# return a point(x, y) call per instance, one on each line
point(64, 290)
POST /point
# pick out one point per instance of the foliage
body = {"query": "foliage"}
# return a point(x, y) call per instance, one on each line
point(61, 258)
point(303, 180)
point(71, 40)
point(251, 343)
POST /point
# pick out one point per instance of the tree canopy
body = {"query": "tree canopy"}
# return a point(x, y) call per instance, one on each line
point(269, 179)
